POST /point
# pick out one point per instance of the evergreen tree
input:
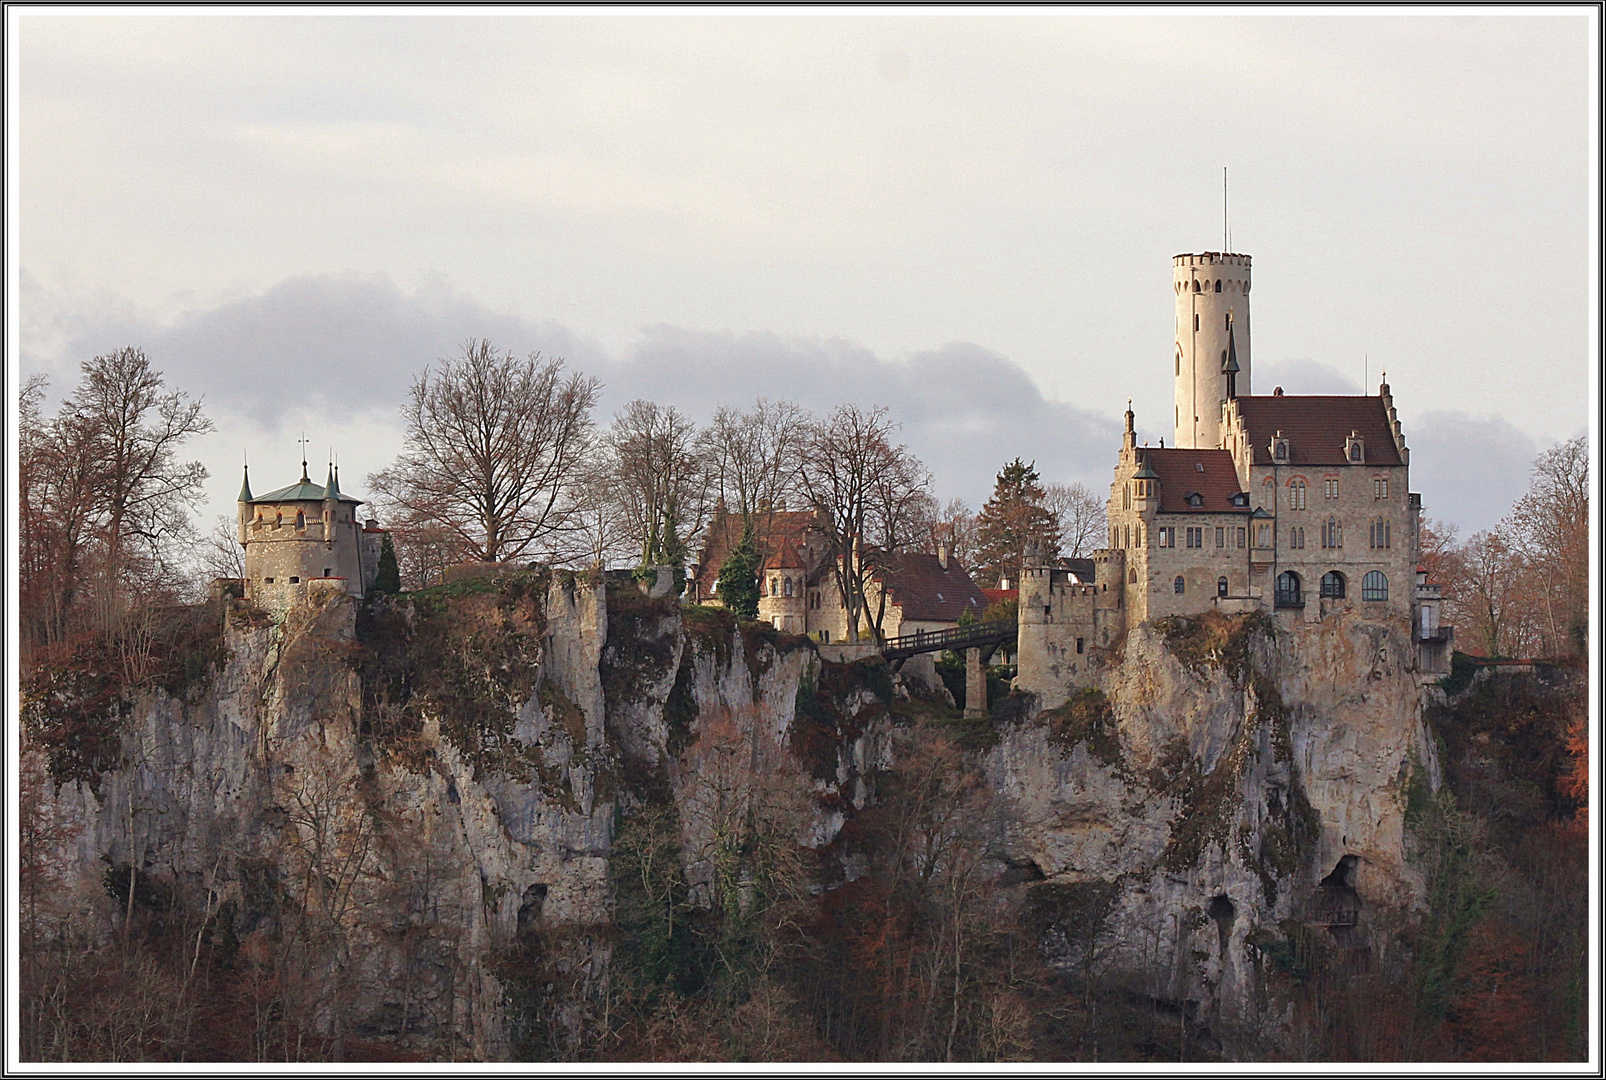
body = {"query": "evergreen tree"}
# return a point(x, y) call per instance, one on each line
point(738, 577)
point(388, 579)
point(1015, 516)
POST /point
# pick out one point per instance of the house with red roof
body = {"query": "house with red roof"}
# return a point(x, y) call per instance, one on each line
point(798, 591)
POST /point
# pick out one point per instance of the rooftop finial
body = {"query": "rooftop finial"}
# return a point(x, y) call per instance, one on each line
point(303, 441)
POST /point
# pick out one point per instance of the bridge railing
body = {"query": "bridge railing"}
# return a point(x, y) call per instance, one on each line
point(956, 637)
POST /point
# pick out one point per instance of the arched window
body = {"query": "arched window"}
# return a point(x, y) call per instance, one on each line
point(301, 520)
point(1221, 586)
point(1179, 586)
point(787, 586)
point(1179, 361)
point(1288, 590)
point(1296, 494)
point(1196, 288)
point(1333, 585)
point(1374, 586)
point(1132, 576)
point(1218, 284)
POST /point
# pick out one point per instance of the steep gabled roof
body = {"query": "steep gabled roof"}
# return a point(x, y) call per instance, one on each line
point(927, 592)
point(1210, 474)
point(1316, 426)
point(725, 532)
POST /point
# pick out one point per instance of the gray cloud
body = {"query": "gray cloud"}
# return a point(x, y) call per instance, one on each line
point(1469, 469)
point(342, 346)
point(1297, 375)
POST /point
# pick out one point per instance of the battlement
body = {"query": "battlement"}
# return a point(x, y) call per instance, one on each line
point(1211, 258)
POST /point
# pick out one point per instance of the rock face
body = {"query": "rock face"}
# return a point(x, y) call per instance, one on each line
point(1232, 776)
point(389, 807)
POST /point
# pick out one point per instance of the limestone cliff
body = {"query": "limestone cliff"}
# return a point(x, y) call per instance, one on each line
point(387, 800)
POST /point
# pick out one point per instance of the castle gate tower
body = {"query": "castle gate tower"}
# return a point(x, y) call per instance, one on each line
point(1211, 356)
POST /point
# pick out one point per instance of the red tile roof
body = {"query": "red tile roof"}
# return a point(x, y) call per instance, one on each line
point(1211, 473)
point(725, 532)
point(928, 593)
point(995, 596)
point(1316, 426)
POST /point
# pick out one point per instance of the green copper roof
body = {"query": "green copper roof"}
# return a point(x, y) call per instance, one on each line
point(245, 486)
point(1146, 472)
point(301, 491)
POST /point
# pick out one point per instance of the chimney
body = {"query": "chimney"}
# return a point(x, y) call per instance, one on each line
point(942, 554)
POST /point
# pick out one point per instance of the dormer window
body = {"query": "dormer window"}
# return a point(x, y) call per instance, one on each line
point(1198, 466)
point(1279, 449)
point(1354, 449)
point(1241, 499)
point(1194, 499)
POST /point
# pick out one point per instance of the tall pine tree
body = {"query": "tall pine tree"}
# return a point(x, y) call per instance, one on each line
point(738, 577)
point(1013, 517)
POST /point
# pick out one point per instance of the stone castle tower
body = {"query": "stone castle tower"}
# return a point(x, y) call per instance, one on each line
point(303, 538)
point(1212, 347)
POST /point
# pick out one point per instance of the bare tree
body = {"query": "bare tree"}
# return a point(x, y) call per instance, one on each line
point(220, 554)
point(104, 502)
point(1080, 514)
point(753, 456)
point(856, 476)
point(493, 447)
point(134, 431)
point(655, 476)
point(955, 525)
point(1549, 528)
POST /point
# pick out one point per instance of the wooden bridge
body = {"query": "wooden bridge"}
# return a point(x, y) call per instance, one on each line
point(988, 635)
point(977, 641)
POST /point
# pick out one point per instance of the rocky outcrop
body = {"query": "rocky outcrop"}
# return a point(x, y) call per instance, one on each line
point(1196, 804)
point(388, 799)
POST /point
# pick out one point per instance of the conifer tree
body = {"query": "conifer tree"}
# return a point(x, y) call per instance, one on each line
point(388, 579)
point(1015, 516)
point(738, 577)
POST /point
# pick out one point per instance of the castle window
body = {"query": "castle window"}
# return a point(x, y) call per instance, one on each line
point(1242, 536)
point(1296, 494)
point(1221, 536)
point(1126, 497)
point(1332, 585)
point(267, 581)
point(1379, 534)
point(1126, 536)
point(1332, 534)
point(1380, 488)
point(1179, 585)
point(1288, 590)
point(1194, 499)
point(1218, 284)
point(1195, 537)
point(1330, 487)
point(1196, 322)
point(1179, 363)
point(328, 571)
point(1221, 586)
point(825, 637)
point(1196, 288)
point(1132, 576)
point(1296, 536)
point(301, 520)
point(1374, 586)
point(787, 585)
point(1079, 646)
point(1279, 450)
point(295, 581)
point(1263, 535)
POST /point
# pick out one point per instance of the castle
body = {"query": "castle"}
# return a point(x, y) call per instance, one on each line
point(1295, 504)
point(305, 538)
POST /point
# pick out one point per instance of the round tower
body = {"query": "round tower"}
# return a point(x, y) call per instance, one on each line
point(1211, 357)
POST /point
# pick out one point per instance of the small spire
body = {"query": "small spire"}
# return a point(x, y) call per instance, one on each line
point(303, 441)
point(245, 486)
point(331, 489)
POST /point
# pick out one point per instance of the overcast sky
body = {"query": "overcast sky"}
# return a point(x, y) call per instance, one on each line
point(968, 220)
